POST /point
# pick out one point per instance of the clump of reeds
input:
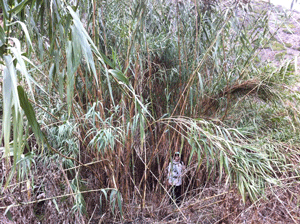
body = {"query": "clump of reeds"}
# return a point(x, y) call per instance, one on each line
point(120, 85)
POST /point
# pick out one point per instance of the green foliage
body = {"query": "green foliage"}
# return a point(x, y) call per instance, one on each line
point(104, 133)
point(227, 149)
point(114, 199)
point(79, 204)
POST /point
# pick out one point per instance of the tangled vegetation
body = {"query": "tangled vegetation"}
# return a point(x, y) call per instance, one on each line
point(97, 95)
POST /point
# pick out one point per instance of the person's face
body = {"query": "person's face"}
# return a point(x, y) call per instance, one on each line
point(176, 158)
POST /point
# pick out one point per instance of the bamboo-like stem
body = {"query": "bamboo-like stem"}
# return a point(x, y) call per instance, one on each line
point(94, 19)
point(196, 36)
point(179, 43)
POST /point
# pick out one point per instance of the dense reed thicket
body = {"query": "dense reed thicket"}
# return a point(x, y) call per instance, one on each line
point(98, 95)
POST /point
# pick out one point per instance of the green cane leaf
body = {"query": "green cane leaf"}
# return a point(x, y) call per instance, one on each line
point(18, 7)
point(30, 114)
point(119, 75)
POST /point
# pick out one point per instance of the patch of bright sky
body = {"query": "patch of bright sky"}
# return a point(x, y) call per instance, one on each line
point(287, 4)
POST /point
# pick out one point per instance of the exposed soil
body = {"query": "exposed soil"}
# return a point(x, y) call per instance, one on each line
point(284, 46)
point(286, 31)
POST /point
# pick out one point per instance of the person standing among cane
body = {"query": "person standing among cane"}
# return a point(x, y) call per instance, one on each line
point(175, 171)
